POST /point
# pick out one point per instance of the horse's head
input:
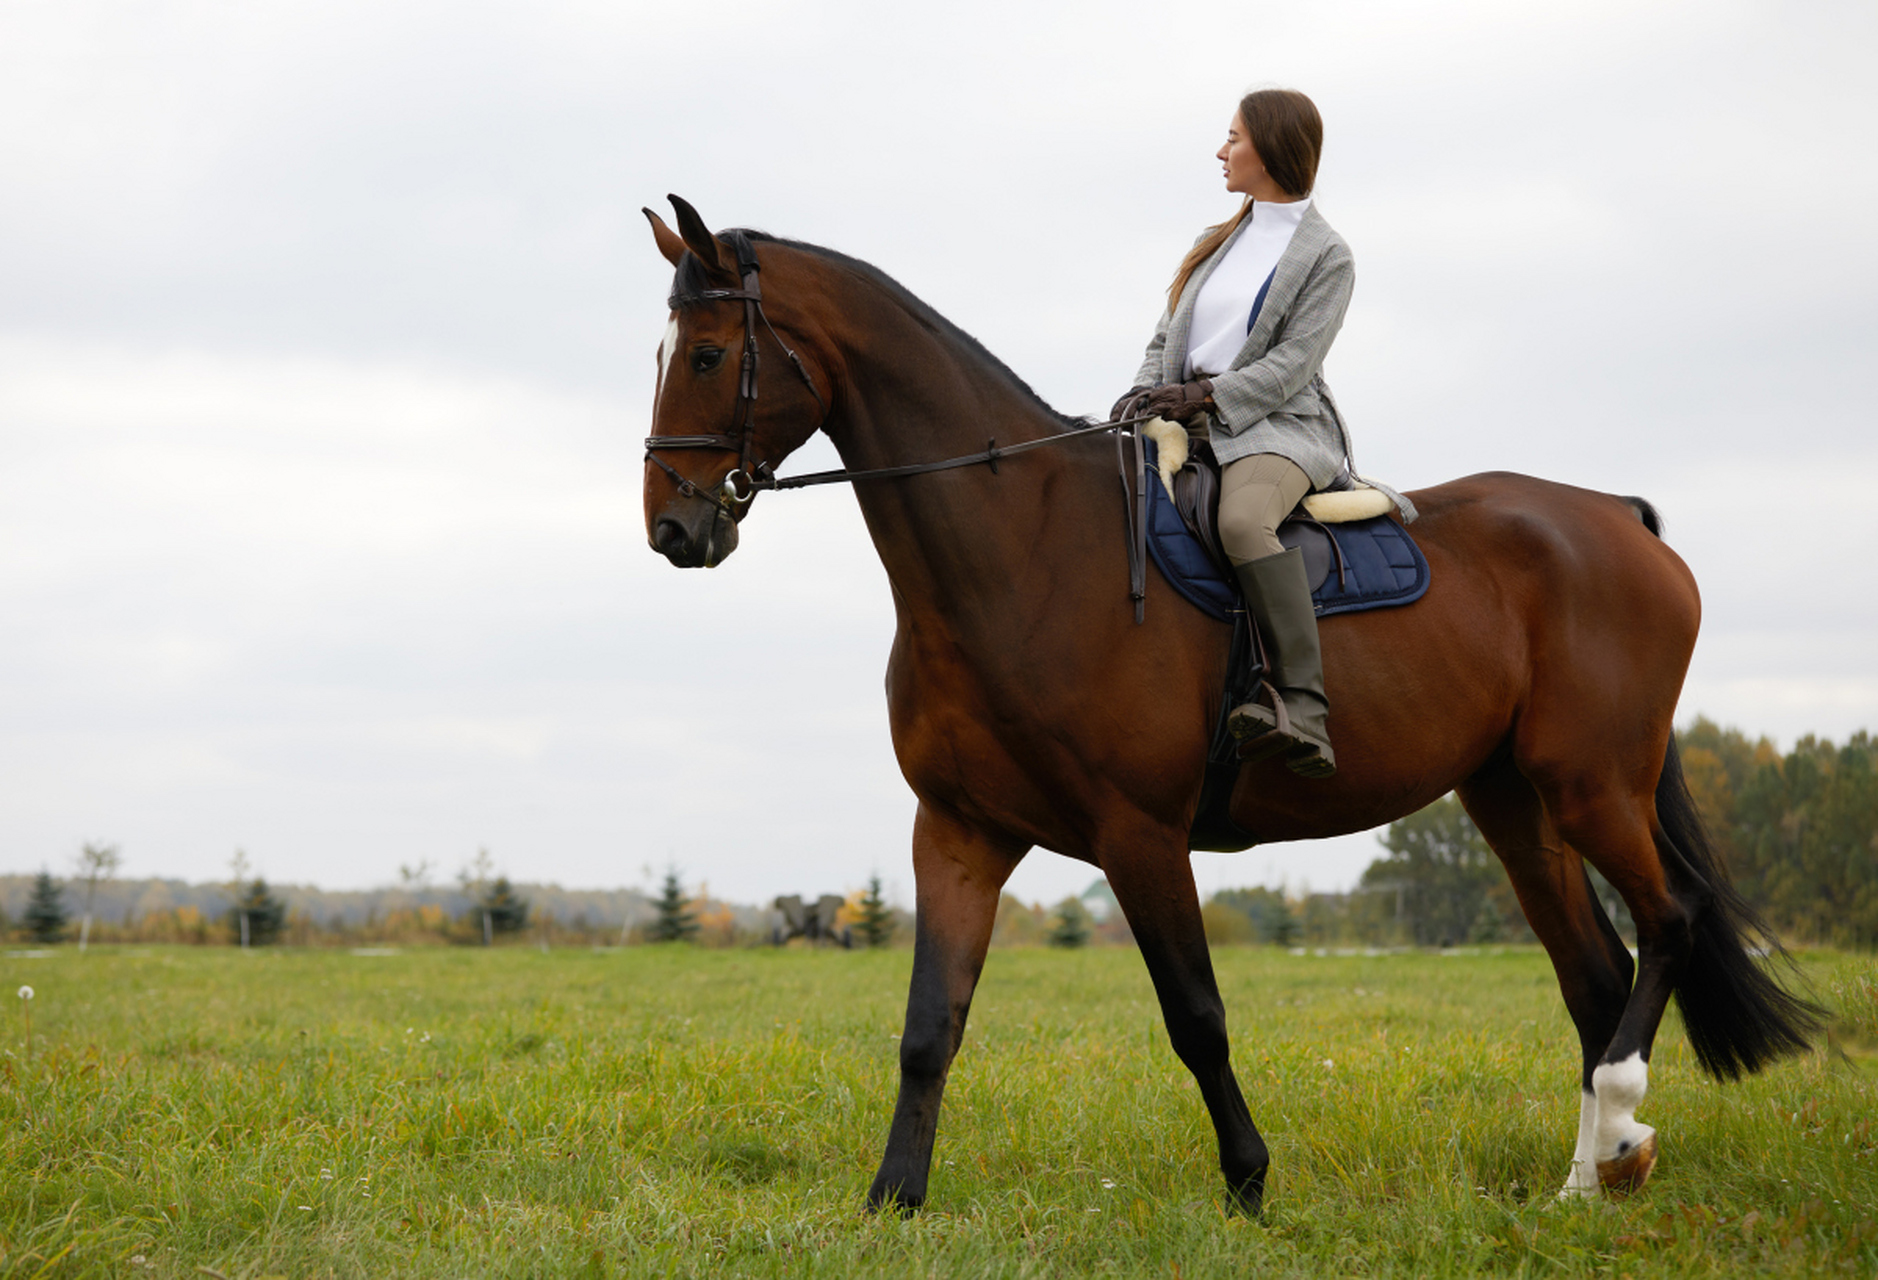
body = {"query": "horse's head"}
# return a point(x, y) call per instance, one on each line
point(709, 441)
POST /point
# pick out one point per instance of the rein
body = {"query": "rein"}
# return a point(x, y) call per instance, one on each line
point(739, 486)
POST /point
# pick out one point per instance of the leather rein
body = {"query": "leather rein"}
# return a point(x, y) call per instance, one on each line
point(752, 476)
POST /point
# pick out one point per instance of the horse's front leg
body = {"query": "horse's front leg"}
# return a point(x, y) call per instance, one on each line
point(1153, 881)
point(959, 873)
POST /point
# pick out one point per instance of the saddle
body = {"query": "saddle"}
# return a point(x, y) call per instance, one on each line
point(1355, 556)
point(1345, 528)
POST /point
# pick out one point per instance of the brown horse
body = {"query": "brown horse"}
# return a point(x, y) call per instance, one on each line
point(1537, 678)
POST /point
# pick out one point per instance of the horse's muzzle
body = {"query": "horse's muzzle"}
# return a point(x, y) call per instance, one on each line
point(697, 536)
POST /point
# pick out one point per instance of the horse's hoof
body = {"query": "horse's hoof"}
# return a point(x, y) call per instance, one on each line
point(1630, 1170)
point(1247, 1197)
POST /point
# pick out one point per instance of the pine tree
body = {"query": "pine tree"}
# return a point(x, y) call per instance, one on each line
point(675, 922)
point(876, 918)
point(1071, 927)
point(1283, 922)
point(507, 912)
point(45, 912)
point(263, 913)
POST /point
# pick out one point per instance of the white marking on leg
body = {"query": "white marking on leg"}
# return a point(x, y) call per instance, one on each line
point(1620, 1088)
point(1583, 1180)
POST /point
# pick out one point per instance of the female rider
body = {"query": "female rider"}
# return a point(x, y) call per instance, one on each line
point(1250, 316)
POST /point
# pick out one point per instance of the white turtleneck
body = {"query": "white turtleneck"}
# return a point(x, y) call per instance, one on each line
point(1222, 314)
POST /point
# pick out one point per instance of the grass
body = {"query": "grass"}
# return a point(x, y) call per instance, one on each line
point(669, 1111)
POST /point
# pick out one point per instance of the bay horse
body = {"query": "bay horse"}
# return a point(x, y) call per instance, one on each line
point(1537, 678)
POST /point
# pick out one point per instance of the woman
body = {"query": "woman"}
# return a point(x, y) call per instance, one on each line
point(1250, 316)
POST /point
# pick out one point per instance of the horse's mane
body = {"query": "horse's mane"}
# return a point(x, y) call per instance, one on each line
point(691, 279)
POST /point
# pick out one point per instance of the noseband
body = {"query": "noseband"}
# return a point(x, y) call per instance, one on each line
point(749, 475)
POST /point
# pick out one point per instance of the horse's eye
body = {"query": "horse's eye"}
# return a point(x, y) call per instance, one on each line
point(705, 359)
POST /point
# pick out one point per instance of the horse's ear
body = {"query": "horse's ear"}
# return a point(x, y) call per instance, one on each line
point(698, 237)
point(669, 244)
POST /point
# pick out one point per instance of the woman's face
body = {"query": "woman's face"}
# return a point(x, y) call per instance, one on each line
point(1245, 172)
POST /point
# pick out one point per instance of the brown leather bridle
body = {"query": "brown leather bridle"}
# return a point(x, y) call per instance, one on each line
point(734, 492)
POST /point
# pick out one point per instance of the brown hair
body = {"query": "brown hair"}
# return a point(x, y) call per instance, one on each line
point(1288, 134)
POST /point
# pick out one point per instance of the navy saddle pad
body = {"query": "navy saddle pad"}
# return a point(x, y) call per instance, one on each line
point(1380, 565)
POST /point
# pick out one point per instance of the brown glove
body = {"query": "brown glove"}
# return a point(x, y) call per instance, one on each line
point(1180, 401)
point(1125, 407)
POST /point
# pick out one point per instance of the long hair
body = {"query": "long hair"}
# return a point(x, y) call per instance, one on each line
point(1288, 134)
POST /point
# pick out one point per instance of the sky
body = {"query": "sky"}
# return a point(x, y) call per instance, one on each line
point(327, 340)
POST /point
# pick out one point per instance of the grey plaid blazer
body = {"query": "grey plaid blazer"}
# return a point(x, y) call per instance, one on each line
point(1273, 398)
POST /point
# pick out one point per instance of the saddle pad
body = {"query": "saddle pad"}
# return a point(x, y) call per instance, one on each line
point(1382, 566)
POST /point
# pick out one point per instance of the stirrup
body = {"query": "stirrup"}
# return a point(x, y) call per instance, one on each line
point(1262, 731)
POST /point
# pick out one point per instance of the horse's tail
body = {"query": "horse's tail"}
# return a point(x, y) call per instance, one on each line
point(1737, 1014)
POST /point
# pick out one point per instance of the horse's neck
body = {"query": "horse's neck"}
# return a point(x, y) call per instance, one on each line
point(954, 541)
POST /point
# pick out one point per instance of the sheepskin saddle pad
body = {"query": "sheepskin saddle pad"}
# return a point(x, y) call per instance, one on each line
point(1355, 556)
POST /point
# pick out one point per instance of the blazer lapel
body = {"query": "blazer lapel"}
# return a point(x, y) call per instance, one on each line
point(1294, 267)
point(1174, 350)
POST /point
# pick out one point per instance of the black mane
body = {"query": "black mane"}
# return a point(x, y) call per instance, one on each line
point(691, 277)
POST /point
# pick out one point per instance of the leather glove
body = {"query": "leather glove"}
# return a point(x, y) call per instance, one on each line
point(1125, 407)
point(1180, 401)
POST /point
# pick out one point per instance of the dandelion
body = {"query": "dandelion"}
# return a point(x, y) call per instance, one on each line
point(26, 1004)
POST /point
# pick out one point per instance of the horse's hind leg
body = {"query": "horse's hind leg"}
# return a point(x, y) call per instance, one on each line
point(959, 873)
point(1617, 830)
point(1149, 871)
point(1593, 965)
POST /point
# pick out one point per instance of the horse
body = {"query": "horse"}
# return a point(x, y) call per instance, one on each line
point(1537, 678)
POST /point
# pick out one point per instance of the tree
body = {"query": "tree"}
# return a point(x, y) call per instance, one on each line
point(1284, 923)
point(1270, 914)
point(45, 911)
point(676, 922)
point(875, 922)
point(1441, 872)
point(95, 862)
point(1802, 830)
point(238, 868)
point(1070, 926)
point(258, 914)
point(474, 877)
point(503, 909)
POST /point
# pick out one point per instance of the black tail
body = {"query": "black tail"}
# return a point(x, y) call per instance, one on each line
point(1737, 1014)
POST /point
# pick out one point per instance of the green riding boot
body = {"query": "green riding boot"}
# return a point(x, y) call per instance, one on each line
point(1279, 596)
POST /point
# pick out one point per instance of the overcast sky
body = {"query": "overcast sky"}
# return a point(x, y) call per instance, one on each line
point(326, 348)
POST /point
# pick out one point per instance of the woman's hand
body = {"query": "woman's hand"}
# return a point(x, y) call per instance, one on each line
point(1178, 402)
point(1125, 407)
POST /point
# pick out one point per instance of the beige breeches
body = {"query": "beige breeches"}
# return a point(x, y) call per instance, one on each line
point(1255, 494)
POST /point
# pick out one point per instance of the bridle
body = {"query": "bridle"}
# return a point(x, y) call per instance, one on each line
point(740, 485)
point(751, 475)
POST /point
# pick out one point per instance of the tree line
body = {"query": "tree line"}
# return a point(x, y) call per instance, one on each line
point(1799, 832)
point(484, 909)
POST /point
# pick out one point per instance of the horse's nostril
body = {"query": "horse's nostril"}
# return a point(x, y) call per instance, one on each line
point(668, 536)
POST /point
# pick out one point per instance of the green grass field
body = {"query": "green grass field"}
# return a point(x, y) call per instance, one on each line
point(671, 1111)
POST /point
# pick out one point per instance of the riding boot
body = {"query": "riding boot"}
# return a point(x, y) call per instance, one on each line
point(1279, 596)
